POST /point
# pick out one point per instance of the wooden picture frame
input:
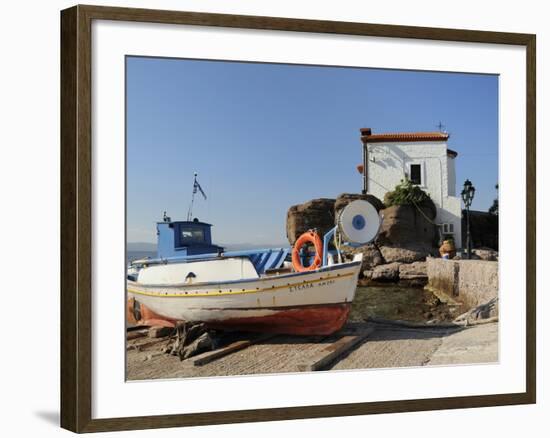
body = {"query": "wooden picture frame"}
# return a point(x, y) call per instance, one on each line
point(76, 217)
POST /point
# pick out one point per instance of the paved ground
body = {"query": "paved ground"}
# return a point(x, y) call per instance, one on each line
point(386, 347)
point(478, 344)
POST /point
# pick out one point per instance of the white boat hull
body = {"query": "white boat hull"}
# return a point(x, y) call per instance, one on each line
point(316, 302)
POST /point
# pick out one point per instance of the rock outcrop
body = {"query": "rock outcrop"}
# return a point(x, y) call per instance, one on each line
point(407, 226)
point(317, 213)
point(321, 213)
point(387, 272)
point(407, 236)
point(345, 198)
point(371, 256)
point(411, 274)
point(410, 254)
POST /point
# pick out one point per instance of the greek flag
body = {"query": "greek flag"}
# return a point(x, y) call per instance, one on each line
point(197, 186)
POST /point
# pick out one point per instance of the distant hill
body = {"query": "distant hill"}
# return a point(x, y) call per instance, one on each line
point(243, 246)
point(141, 246)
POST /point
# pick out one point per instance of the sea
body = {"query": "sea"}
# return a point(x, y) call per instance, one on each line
point(135, 255)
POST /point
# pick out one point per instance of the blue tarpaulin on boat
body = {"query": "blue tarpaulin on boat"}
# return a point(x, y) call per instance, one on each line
point(270, 259)
point(262, 259)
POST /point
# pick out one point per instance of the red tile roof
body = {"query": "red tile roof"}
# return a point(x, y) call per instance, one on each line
point(367, 137)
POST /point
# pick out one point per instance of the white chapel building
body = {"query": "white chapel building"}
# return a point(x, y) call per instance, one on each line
point(423, 158)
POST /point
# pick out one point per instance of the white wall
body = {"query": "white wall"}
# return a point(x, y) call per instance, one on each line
point(451, 162)
point(451, 213)
point(388, 164)
point(29, 177)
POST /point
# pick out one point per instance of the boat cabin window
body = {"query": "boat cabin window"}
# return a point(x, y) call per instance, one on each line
point(191, 235)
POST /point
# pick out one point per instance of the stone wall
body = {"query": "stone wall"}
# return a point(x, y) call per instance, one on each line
point(443, 275)
point(478, 281)
point(473, 282)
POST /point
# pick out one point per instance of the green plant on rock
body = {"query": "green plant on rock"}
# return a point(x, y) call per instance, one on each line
point(406, 193)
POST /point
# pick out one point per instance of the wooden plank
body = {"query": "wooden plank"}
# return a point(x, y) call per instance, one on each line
point(210, 356)
point(132, 327)
point(333, 351)
point(136, 334)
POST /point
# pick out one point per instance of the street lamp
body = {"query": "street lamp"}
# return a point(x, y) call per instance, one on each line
point(468, 193)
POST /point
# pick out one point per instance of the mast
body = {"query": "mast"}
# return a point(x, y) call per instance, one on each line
point(196, 187)
point(190, 211)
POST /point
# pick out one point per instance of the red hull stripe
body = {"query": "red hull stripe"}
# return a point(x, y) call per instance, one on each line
point(311, 320)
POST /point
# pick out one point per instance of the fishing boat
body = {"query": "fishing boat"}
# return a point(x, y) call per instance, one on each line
point(183, 248)
point(255, 290)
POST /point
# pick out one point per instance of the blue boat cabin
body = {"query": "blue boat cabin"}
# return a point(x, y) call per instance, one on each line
point(184, 238)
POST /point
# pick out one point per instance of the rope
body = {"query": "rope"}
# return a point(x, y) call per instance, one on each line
point(423, 214)
point(338, 244)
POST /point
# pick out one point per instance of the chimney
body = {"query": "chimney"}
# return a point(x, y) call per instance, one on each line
point(365, 132)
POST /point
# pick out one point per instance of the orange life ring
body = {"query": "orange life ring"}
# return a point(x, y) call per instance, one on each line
point(307, 237)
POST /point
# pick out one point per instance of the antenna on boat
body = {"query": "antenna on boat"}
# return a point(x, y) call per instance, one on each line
point(196, 187)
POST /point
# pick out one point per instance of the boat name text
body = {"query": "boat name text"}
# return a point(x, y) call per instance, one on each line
point(305, 286)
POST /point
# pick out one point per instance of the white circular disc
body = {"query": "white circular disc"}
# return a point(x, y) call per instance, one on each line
point(359, 222)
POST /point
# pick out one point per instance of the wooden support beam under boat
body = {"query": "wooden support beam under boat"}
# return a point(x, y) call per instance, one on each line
point(135, 334)
point(211, 356)
point(335, 350)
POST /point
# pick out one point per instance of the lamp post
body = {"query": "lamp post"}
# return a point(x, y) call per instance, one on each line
point(468, 193)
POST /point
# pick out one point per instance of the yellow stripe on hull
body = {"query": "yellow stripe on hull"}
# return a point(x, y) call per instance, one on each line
point(239, 292)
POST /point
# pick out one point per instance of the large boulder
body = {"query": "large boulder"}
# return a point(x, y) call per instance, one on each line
point(371, 256)
point(409, 254)
point(428, 207)
point(384, 273)
point(317, 213)
point(345, 198)
point(407, 226)
point(407, 233)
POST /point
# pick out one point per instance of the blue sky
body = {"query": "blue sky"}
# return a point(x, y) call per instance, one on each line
point(263, 137)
